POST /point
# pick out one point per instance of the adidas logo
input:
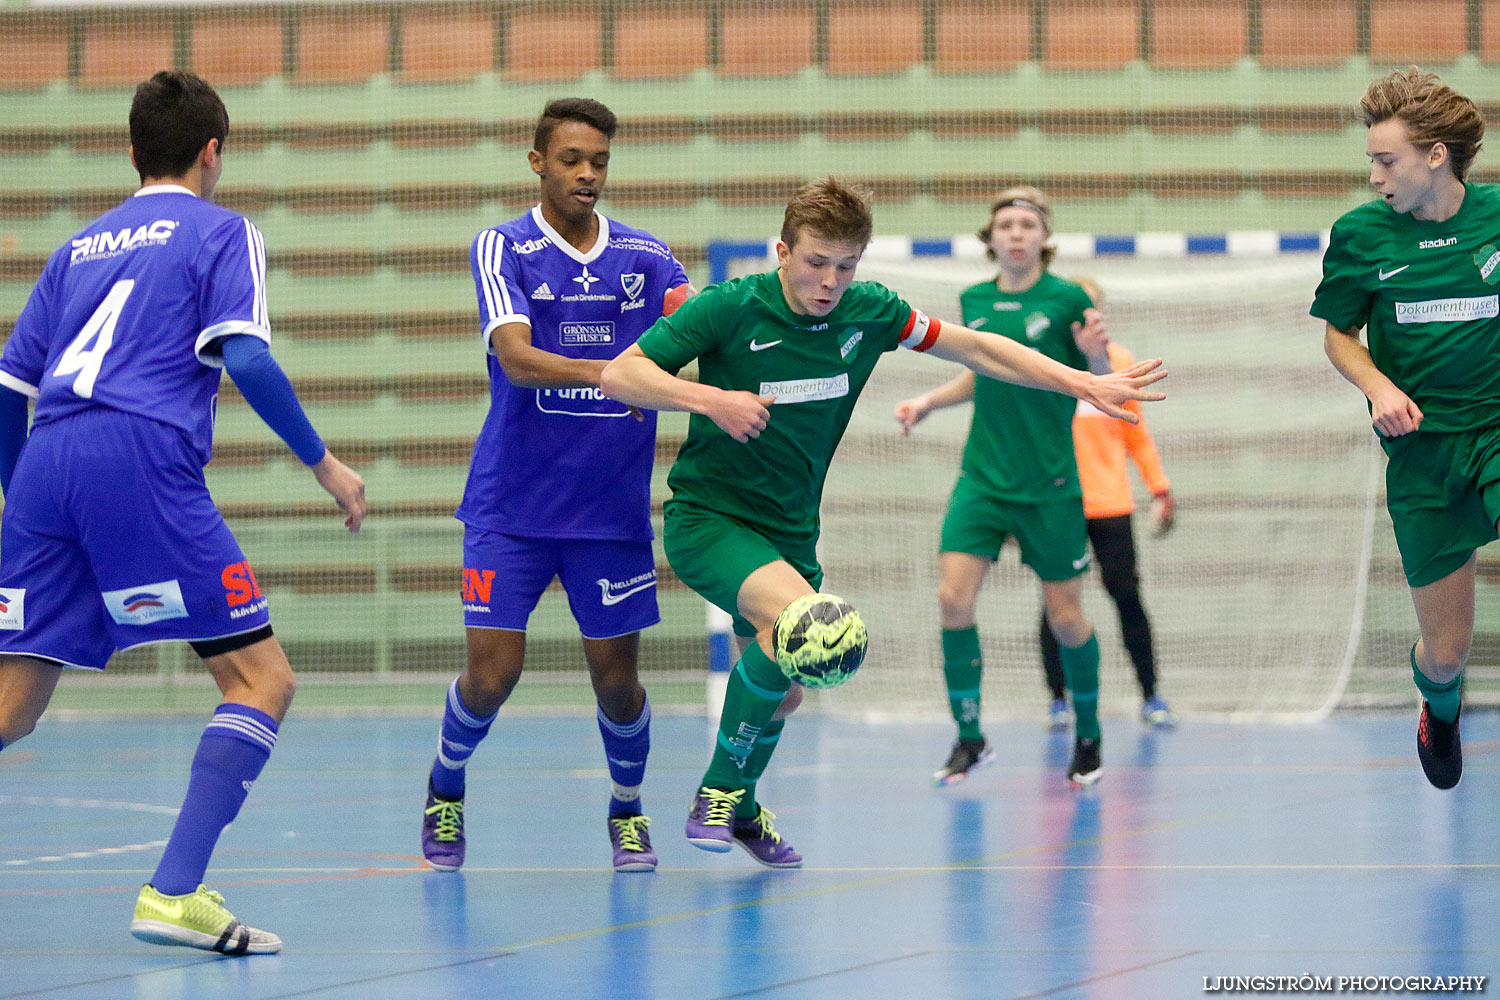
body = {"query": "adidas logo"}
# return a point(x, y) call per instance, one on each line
point(543, 293)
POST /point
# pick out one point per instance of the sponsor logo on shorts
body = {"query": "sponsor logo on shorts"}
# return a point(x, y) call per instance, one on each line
point(1449, 310)
point(807, 390)
point(241, 593)
point(477, 586)
point(13, 609)
point(146, 603)
point(615, 591)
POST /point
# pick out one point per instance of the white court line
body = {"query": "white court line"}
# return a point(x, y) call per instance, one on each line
point(36, 800)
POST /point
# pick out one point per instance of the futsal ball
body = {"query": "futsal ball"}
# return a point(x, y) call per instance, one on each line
point(820, 640)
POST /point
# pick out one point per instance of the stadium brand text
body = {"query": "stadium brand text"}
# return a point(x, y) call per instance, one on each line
point(101, 246)
point(1434, 244)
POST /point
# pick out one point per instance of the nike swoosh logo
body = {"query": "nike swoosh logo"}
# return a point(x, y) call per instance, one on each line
point(831, 642)
point(1388, 274)
point(609, 600)
point(761, 347)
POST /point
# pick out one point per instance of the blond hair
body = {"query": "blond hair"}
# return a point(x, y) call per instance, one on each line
point(1023, 196)
point(1432, 112)
point(830, 209)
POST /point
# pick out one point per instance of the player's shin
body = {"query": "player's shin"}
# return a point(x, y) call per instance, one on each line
point(756, 689)
point(460, 734)
point(231, 753)
point(1081, 668)
point(755, 766)
point(626, 746)
point(963, 667)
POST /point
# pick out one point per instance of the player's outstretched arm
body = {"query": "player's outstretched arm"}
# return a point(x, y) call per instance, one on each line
point(346, 487)
point(910, 412)
point(636, 380)
point(1391, 411)
point(1004, 359)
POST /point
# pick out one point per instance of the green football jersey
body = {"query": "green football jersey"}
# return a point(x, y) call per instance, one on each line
point(1426, 293)
point(745, 336)
point(1020, 443)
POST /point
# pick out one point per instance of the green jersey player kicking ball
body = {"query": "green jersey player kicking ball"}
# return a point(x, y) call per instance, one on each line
point(1419, 270)
point(782, 358)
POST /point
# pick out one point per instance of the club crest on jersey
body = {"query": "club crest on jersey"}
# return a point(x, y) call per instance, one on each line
point(633, 284)
point(146, 603)
point(1036, 325)
point(854, 335)
point(13, 609)
point(1488, 260)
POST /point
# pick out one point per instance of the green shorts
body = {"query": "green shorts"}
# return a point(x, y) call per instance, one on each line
point(714, 554)
point(1443, 492)
point(1053, 535)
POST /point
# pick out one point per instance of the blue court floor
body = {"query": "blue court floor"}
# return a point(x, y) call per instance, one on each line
point(1214, 851)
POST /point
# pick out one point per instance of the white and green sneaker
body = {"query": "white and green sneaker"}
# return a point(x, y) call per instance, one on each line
point(197, 920)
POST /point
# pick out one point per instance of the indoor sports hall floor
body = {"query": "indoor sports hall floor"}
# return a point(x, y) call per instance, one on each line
point(1214, 851)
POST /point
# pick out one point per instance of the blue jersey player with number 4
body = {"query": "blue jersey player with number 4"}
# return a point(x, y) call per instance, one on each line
point(109, 537)
point(560, 484)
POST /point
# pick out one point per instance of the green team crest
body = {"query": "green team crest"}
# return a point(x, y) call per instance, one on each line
point(851, 337)
point(1036, 325)
point(1488, 262)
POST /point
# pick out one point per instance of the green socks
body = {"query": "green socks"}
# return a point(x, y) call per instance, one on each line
point(1443, 699)
point(755, 766)
point(1081, 669)
point(962, 668)
point(756, 688)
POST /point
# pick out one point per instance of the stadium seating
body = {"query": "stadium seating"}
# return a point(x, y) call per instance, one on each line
point(371, 142)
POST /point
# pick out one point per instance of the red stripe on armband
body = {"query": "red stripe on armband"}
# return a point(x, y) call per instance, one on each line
point(921, 331)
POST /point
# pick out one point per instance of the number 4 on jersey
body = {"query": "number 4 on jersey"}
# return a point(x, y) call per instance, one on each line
point(85, 360)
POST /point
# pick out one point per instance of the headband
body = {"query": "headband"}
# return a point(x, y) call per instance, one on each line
point(1024, 203)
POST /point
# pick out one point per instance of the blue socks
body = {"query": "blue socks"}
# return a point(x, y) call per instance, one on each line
point(625, 748)
point(461, 732)
point(233, 749)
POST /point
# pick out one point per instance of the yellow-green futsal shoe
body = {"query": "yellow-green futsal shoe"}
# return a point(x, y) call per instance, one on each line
point(197, 920)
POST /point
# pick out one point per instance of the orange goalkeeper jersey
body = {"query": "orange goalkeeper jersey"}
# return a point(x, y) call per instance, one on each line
point(1103, 442)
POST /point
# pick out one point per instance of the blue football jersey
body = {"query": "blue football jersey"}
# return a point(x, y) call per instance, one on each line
point(124, 313)
point(565, 463)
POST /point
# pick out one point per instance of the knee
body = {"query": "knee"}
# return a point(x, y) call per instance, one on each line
point(622, 701)
point(15, 723)
point(789, 703)
point(1069, 626)
point(955, 605)
point(486, 685)
point(278, 689)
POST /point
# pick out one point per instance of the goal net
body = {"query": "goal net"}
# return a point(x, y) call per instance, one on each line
point(1260, 598)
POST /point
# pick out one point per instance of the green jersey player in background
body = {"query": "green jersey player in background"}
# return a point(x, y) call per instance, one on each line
point(1019, 477)
point(782, 358)
point(1418, 269)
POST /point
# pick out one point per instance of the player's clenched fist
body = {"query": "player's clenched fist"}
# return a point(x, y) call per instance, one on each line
point(741, 415)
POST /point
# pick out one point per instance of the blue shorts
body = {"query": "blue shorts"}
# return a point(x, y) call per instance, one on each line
point(110, 540)
point(611, 585)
